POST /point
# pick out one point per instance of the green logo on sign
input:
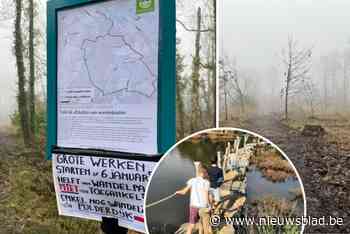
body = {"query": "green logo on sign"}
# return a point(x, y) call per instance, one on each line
point(143, 6)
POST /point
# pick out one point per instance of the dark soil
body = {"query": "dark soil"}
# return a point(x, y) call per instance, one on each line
point(323, 164)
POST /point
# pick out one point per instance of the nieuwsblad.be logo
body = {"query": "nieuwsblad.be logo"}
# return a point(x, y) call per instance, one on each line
point(143, 6)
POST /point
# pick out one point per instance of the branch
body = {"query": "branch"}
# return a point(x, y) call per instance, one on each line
point(301, 57)
point(300, 74)
point(193, 30)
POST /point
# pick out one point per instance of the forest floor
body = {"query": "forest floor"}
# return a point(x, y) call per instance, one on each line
point(27, 197)
point(323, 163)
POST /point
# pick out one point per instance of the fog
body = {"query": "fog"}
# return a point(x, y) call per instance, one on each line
point(185, 12)
point(8, 76)
point(7, 73)
point(257, 30)
point(253, 33)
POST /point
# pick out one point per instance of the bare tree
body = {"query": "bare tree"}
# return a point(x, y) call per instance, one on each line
point(21, 96)
point(210, 65)
point(214, 57)
point(203, 70)
point(233, 75)
point(224, 86)
point(31, 90)
point(232, 87)
point(310, 94)
point(298, 65)
point(196, 115)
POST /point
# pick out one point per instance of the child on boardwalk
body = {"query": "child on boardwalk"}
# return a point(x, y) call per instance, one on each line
point(216, 178)
point(199, 187)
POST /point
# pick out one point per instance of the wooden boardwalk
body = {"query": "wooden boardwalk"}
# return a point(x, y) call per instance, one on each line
point(234, 163)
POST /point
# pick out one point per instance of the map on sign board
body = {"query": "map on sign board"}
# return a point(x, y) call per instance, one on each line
point(107, 73)
point(94, 187)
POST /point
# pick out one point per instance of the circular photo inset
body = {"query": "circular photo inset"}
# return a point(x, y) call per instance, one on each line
point(225, 180)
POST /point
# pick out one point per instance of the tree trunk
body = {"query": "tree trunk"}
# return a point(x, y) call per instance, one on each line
point(195, 115)
point(214, 56)
point(210, 85)
point(31, 94)
point(325, 92)
point(21, 96)
point(288, 79)
point(240, 96)
point(289, 73)
point(286, 102)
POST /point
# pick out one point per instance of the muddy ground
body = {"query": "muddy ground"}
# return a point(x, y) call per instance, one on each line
point(323, 163)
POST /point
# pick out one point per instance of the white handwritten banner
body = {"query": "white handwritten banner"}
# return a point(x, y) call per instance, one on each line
point(94, 187)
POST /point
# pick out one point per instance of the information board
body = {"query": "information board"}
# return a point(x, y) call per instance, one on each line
point(94, 187)
point(110, 88)
point(107, 73)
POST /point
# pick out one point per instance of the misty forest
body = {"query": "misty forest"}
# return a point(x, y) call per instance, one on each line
point(25, 177)
point(302, 87)
point(284, 73)
point(27, 197)
point(195, 66)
